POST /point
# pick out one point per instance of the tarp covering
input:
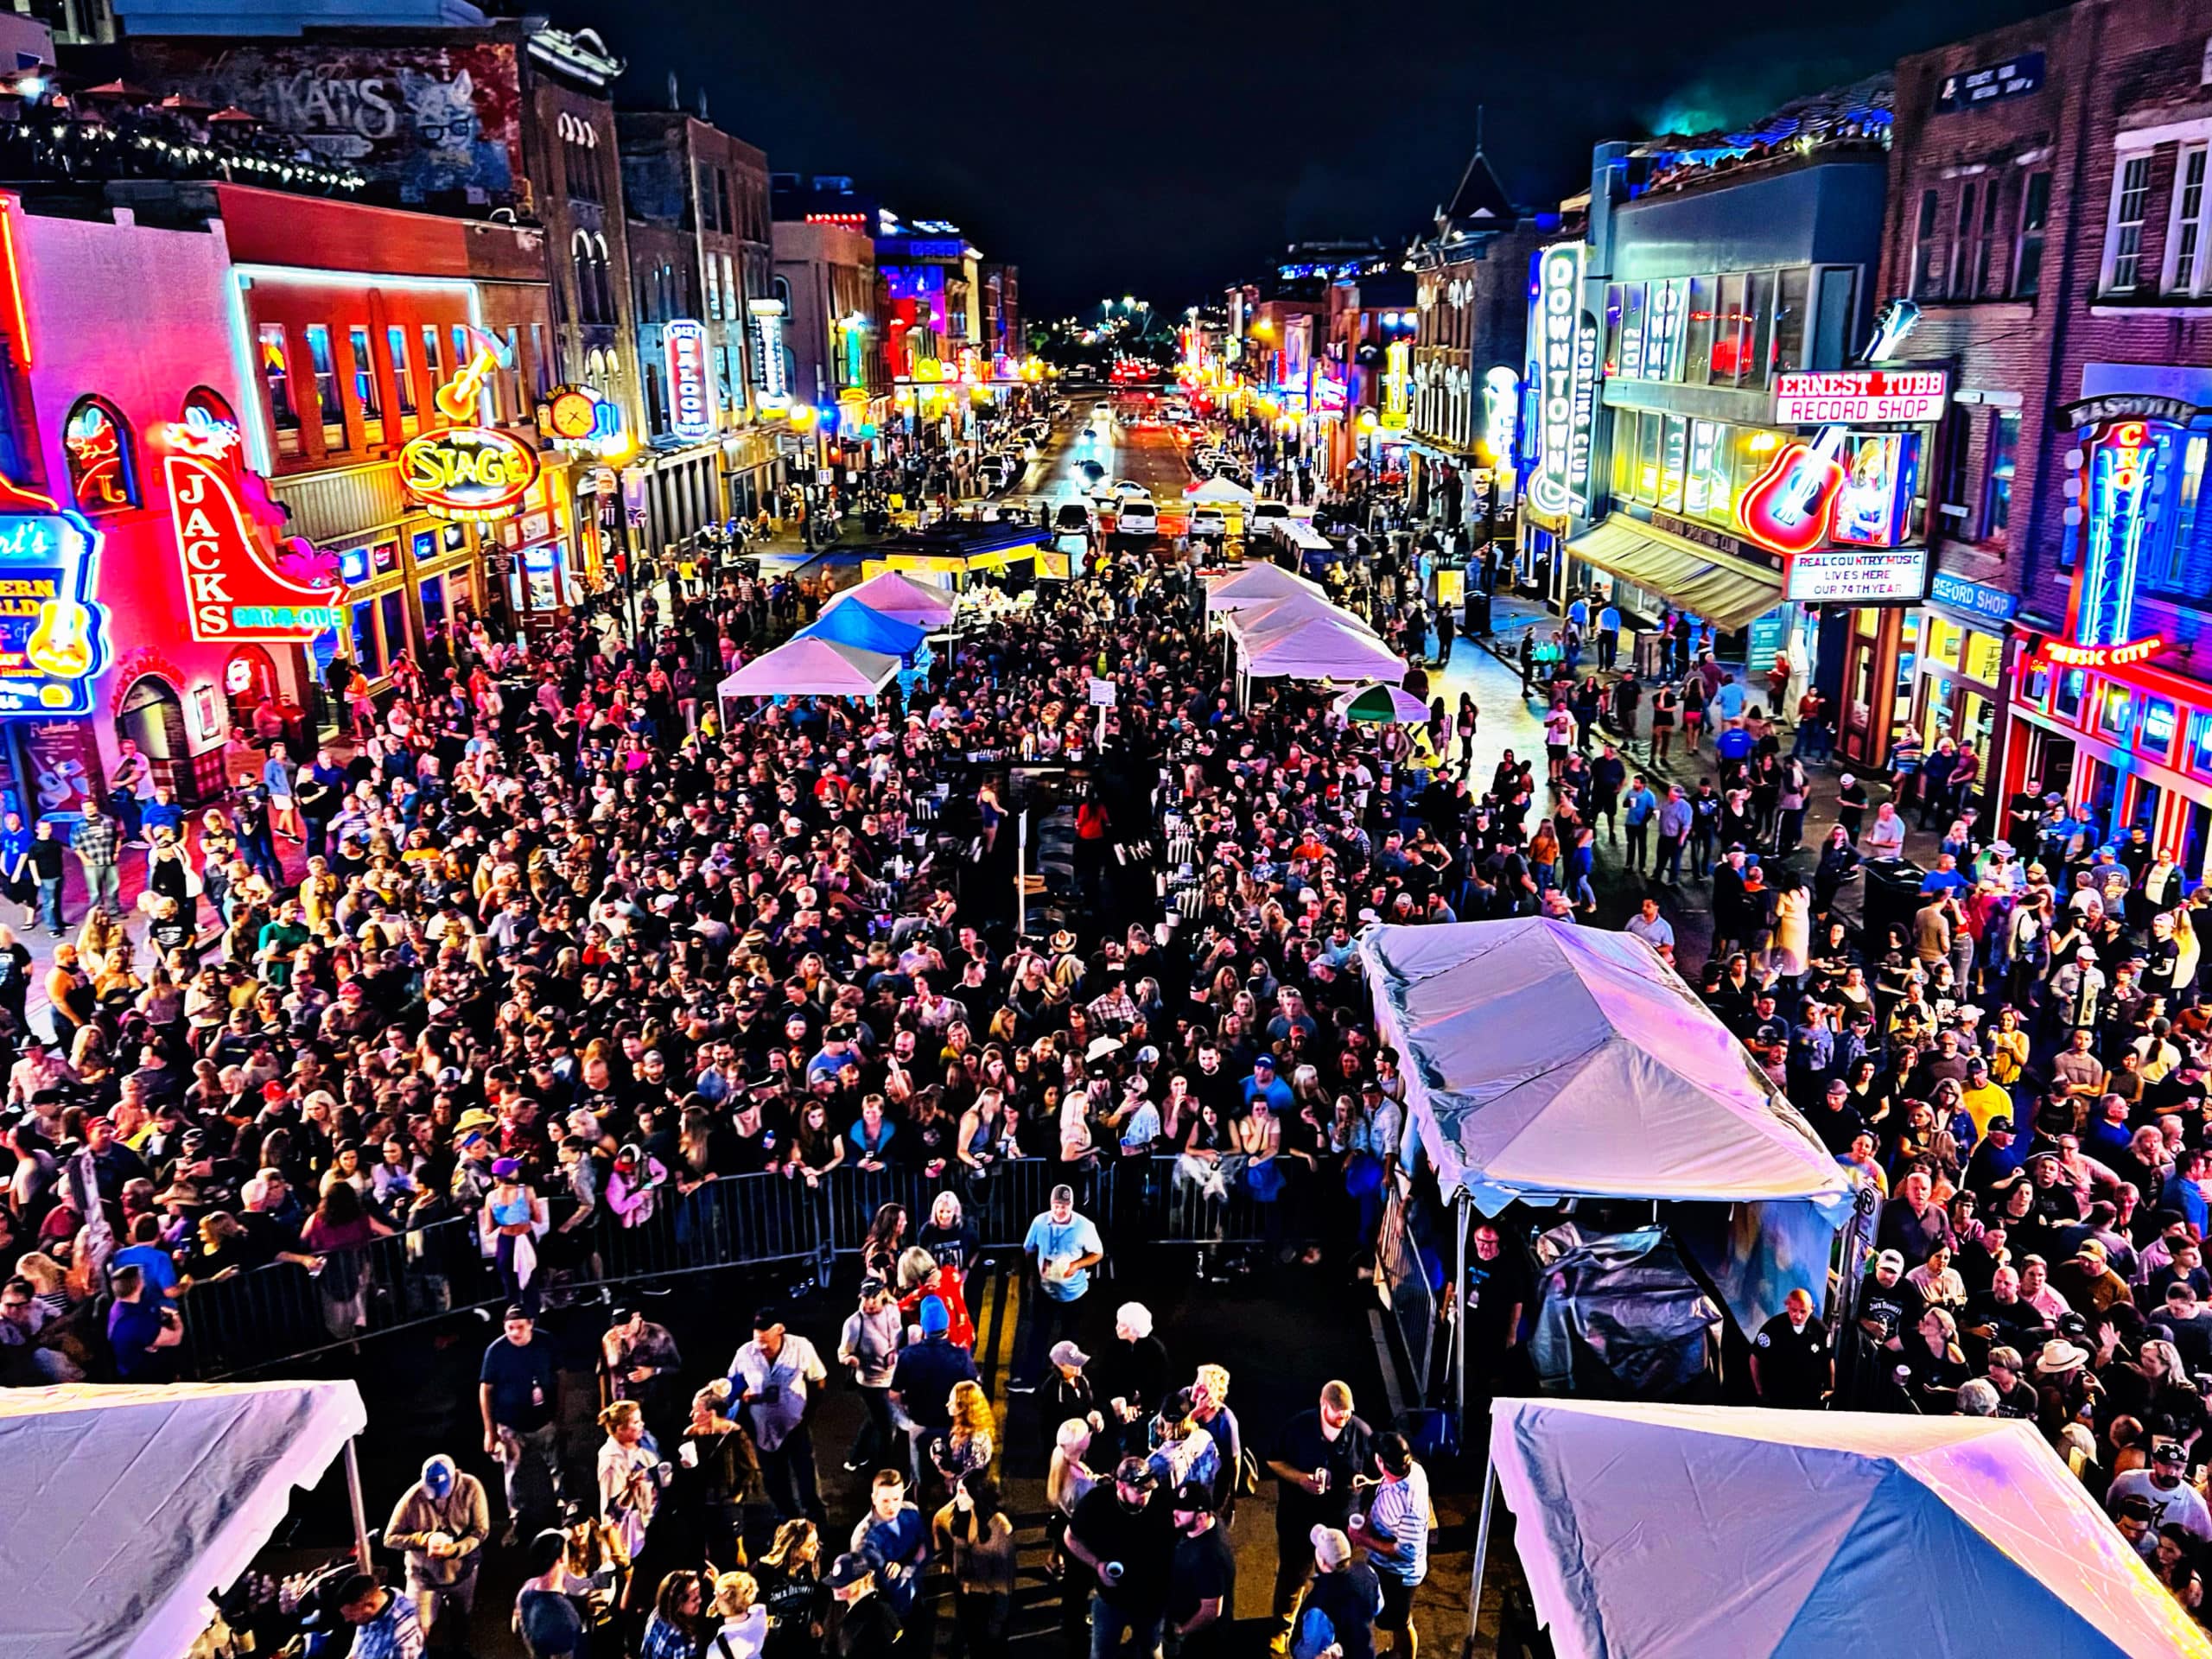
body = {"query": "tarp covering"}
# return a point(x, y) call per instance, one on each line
point(1258, 584)
point(1318, 648)
point(134, 1507)
point(1681, 1532)
point(812, 668)
point(1548, 1059)
point(1217, 488)
point(855, 624)
point(895, 593)
point(1621, 1316)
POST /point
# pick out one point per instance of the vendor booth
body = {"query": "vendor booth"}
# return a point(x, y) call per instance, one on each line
point(811, 667)
point(923, 604)
point(1547, 1062)
point(1660, 1531)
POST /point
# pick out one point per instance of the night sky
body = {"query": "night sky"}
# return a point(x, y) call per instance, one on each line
point(1114, 149)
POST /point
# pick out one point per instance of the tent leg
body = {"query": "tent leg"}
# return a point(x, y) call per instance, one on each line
point(1476, 1572)
point(1460, 1324)
point(360, 1514)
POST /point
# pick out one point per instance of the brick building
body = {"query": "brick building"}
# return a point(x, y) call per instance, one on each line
point(2049, 215)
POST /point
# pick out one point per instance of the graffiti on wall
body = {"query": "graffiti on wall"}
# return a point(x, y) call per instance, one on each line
point(427, 120)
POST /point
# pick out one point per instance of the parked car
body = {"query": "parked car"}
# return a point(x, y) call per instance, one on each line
point(1137, 517)
point(1209, 522)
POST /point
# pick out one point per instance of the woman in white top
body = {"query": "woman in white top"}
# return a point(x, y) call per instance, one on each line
point(744, 1622)
point(629, 1487)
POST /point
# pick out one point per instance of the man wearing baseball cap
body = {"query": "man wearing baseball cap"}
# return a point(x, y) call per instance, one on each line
point(1061, 1247)
point(1124, 1532)
point(862, 1624)
point(1339, 1608)
point(1201, 1579)
point(2171, 1498)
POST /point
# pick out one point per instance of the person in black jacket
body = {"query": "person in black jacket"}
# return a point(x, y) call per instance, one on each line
point(1129, 1377)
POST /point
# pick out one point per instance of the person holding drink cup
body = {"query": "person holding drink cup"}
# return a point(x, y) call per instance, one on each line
point(1315, 1461)
point(1394, 1534)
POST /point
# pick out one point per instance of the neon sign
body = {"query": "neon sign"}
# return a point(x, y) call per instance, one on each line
point(233, 592)
point(579, 420)
point(101, 480)
point(1397, 382)
point(2135, 651)
point(1557, 327)
point(1790, 507)
point(690, 394)
point(1900, 397)
point(465, 471)
point(1501, 412)
point(53, 638)
point(2123, 460)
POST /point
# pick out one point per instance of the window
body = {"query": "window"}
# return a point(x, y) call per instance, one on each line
point(1961, 284)
point(730, 287)
point(403, 373)
point(541, 365)
point(2186, 259)
point(714, 290)
point(1697, 331)
point(325, 366)
point(2204, 66)
point(2131, 198)
point(1624, 424)
point(2034, 218)
point(1790, 294)
point(277, 381)
point(434, 359)
point(103, 470)
point(1673, 447)
point(1760, 307)
point(1985, 239)
point(1729, 326)
point(1996, 494)
point(1647, 458)
point(1929, 267)
point(510, 379)
point(1951, 492)
point(364, 383)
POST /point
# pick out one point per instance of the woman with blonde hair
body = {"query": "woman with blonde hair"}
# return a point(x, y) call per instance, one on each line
point(629, 1481)
point(744, 1622)
point(971, 1445)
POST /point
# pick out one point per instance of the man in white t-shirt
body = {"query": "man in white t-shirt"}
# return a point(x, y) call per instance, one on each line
point(776, 1381)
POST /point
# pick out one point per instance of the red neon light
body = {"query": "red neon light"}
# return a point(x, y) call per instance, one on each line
point(2135, 651)
point(1791, 506)
point(9, 208)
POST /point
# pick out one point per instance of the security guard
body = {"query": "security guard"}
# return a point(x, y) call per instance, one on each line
point(1793, 1363)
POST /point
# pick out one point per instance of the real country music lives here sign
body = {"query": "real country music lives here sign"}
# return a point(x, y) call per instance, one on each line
point(1856, 575)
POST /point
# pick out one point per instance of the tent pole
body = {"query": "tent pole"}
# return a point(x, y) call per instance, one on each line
point(1459, 1326)
point(1476, 1573)
point(360, 1515)
point(1021, 870)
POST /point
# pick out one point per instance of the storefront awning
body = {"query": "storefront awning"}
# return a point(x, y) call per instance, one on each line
point(1680, 571)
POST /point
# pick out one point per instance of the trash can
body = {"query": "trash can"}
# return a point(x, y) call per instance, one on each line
point(1892, 895)
point(1477, 612)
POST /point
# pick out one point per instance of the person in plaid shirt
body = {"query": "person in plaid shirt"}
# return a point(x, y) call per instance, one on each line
point(384, 1625)
point(97, 842)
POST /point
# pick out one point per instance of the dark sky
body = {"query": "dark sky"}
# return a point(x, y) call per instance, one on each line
point(1113, 148)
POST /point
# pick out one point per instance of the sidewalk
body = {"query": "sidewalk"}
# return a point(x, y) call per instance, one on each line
point(1511, 616)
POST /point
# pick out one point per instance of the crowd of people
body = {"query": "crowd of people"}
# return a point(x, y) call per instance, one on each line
point(541, 951)
point(535, 948)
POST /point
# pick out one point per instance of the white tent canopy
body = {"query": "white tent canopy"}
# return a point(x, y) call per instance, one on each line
point(1548, 1059)
point(1317, 648)
point(1259, 584)
point(1258, 617)
point(895, 593)
point(812, 667)
point(1677, 1532)
point(1218, 488)
point(136, 1506)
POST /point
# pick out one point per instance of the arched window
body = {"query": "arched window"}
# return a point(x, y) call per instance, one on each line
point(103, 461)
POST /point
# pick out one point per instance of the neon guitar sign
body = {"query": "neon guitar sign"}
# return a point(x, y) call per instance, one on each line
point(468, 471)
point(1791, 507)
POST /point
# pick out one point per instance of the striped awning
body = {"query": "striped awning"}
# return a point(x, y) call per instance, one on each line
point(1695, 578)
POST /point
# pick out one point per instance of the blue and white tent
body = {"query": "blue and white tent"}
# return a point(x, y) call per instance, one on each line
point(1681, 1532)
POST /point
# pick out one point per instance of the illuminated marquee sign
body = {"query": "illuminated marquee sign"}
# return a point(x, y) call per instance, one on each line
point(465, 471)
point(1397, 382)
point(53, 637)
point(580, 420)
point(1861, 397)
point(770, 370)
point(690, 391)
point(234, 593)
point(1586, 371)
point(1501, 412)
point(1855, 576)
point(2135, 651)
point(1556, 329)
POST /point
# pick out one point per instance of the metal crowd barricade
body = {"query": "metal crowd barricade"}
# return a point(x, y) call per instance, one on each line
point(253, 1321)
point(1403, 1281)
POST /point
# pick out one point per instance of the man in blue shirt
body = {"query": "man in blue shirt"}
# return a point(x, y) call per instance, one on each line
point(1062, 1248)
point(1639, 807)
point(141, 1330)
point(1609, 636)
point(1264, 1084)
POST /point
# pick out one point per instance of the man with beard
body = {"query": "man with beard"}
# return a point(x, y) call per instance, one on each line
point(1125, 1533)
